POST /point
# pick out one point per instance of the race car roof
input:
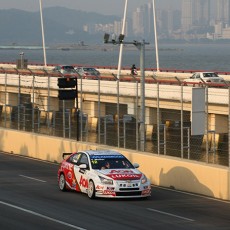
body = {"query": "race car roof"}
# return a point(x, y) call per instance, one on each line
point(103, 152)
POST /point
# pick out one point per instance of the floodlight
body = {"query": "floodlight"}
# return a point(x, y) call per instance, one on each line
point(121, 38)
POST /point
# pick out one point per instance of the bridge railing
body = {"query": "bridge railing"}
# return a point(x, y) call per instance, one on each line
point(112, 117)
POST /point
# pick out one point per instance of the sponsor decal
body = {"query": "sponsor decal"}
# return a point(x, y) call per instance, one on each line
point(99, 187)
point(125, 176)
point(69, 175)
point(106, 157)
point(83, 182)
point(66, 165)
point(121, 171)
point(109, 192)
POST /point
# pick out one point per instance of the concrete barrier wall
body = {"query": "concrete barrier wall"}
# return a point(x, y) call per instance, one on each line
point(190, 176)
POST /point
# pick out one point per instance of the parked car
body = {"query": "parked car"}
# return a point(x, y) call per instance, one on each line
point(206, 77)
point(65, 69)
point(88, 72)
point(102, 173)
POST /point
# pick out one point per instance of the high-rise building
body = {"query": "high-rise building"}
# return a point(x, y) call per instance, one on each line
point(143, 25)
point(223, 12)
point(150, 24)
point(202, 12)
point(143, 21)
point(195, 14)
point(138, 22)
point(187, 16)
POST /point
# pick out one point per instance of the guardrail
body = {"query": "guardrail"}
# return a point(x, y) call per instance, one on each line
point(110, 77)
point(124, 68)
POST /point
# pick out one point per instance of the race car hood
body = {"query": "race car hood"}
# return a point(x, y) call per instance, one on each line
point(122, 174)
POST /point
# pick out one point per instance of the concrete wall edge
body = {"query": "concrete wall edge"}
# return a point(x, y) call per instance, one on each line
point(170, 172)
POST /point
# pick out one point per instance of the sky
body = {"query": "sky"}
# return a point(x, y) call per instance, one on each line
point(106, 7)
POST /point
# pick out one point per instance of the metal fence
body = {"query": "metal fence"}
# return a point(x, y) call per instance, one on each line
point(167, 128)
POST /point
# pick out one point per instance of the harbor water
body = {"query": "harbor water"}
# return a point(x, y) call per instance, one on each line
point(210, 57)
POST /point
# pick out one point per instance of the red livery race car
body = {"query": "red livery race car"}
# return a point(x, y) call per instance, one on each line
point(102, 173)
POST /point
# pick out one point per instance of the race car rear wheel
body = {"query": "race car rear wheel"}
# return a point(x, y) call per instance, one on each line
point(62, 183)
point(91, 190)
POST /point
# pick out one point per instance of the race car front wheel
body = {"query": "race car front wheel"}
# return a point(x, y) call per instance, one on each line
point(91, 190)
point(62, 183)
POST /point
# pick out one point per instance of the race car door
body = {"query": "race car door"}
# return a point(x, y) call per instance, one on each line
point(68, 169)
point(81, 174)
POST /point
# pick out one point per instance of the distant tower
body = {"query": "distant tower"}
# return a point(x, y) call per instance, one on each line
point(143, 21)
point(202, 12)
point(150, 20)
point(187, 14)
point(138, 22)
point(195, 13)
point(223, 11)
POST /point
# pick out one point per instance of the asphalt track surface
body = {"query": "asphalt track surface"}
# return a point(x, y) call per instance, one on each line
point(30, 199)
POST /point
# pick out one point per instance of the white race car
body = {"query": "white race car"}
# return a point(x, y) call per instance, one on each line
point(102, 173)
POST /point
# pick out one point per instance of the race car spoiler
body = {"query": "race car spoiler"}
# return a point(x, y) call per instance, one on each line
point(65, 154)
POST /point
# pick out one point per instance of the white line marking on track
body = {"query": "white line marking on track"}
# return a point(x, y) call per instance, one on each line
point(32, 178)
point(42, 216)
point(169, 214)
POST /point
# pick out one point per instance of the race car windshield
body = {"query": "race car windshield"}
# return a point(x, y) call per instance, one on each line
point(110, 163)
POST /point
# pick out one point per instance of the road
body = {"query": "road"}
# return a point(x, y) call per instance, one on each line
point(30, 199)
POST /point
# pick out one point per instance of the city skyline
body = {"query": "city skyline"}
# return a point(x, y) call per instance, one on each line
point(109, 7)
point(195, 19)
point(188, 19)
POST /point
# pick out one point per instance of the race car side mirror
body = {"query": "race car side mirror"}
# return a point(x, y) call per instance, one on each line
point(83, 166)
point(135, 165)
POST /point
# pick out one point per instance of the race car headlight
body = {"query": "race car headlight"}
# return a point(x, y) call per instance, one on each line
point(144, 179)
point(105, 180)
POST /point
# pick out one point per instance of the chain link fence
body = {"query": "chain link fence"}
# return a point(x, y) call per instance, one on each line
point(108, 112)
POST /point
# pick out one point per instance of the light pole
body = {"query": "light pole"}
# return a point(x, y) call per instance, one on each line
point(155, 33)
point(158, 114)
point(141, 47)
point(181, 118)
point(22, 60)
point(43, 36)
point(118, 75)
point(121, 46)
point(136, 111)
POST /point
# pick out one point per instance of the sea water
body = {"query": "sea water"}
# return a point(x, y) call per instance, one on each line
point(209, 57)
